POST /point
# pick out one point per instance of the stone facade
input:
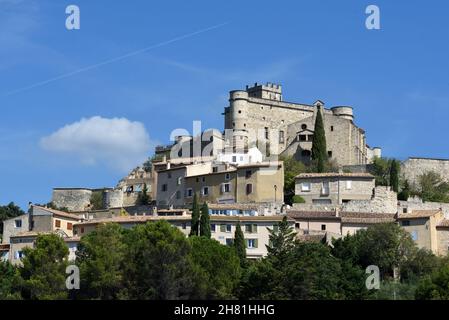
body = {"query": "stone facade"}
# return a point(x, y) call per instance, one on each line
point(74, 199)
point(333, 189)
point(14, 226)
point(384, 200)
point(412, 168)
point(259, 113)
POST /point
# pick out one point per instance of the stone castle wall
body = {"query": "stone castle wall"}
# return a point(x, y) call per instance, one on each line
point(384, 201)
point(412, 168)
point(72, 199)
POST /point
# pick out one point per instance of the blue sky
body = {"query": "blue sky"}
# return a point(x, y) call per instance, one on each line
point(396, 78)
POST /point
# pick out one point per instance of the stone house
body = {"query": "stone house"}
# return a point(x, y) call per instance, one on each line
point(333, 189)
point(252, 183)
point(49, 220)
point(334, 223)
point(14, 226)
point(422, 226)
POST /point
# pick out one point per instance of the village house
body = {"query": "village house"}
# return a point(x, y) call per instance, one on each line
point(333, 189)
point(422, 226)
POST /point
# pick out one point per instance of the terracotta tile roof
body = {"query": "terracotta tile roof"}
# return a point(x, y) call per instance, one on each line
point(311, 237)
point(60, 213)
point(260, 164)
point(417, 214)
point(72, 239)
point(367, 217)
point(295, 214)
point(335, 175)
point(133, 219)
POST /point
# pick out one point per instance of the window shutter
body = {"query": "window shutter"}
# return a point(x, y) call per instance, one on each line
point(275, 228)
point(254, 228)
point(256, 243)
point(222, 228)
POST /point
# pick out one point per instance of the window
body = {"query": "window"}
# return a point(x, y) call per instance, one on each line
point(302, 137)
point(213, 227)
point(304, 127)
point(18, 223)
point(229, 241)
point(404, 210)
point(82, 230)
point(226, 187)
point(267, 135)
point(205, 191)
point(215, 169)
point(57, 223)
point(405, 223)
point(297, 225)
point(227, 176)
point(248, 174)
point(19, 254)
point(189, 193)
point(164, 187)
point(203, 179)
point(251, 243)
point(178, 194)
point(234, 158)
point(332, 128)
point(197, 179)
point(325, 188)
point(281, 136)
point(349, 184)
point(249, 188)
point(240, 111)
point(305, 187)
point(179, 181)
point(251, 228)
point(415, 235)
point(169, 175)
point(323, 227)
point(228, 228)
point(184, 226)
point(69, 226)
point(329, 154)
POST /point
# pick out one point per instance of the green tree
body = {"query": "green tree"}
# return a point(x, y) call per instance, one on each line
point(394, 175)
point(282, 240)
point(100, 258)
point(96, 200)
point(239, 244)
point(435, 286)
point(433, 188)
point(422, 263)
point(9, 281)
point(386, 245)
point(158, 264)
point(381, 171)
point(298, 199)
point(43, 270)
point(405, 192)
point(205, 221)
point(319, 148)
point(292, 168)
point(143, 198)
point(195, 224)
point(220, 266)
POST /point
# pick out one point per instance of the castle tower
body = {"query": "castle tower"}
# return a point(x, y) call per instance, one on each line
point(238, 102)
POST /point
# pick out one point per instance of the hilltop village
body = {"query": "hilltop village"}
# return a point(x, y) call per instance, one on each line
point(244, 175)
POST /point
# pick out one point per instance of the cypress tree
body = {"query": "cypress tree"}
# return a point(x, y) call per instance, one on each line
point(205, 221)
point(195, 217)
point(143, 199)
point(394, 175)
point(319, 148)
point(239, 244)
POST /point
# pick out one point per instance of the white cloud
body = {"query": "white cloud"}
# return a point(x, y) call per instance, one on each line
point(117, 143)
